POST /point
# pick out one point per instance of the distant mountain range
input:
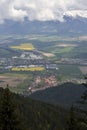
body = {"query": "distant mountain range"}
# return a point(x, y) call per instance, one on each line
point(70, 27)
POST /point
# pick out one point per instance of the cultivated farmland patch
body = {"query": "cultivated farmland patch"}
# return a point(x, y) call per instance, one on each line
point(83, 69)
point(25, 46)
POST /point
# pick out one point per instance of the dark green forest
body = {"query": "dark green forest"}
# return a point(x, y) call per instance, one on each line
point(22, 113)
point(28, 114)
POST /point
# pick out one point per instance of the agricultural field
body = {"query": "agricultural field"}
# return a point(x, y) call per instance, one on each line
point(17, 82)
point(25, 46)
point(28, 69)
point(74, 47)
point(69, 73)
point(56, 49)
point(13, 80)
point(70, 70)
point(47, 54)
point(83, 69)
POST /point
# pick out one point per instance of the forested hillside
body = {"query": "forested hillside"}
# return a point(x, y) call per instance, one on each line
point(30, 114)
point(64, 95)
point(22, 113)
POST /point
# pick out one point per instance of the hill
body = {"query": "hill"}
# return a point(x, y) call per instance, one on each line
point(64, 95)
point(36, 115)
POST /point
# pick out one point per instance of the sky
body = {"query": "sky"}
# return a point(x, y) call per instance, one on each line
point(42, 10)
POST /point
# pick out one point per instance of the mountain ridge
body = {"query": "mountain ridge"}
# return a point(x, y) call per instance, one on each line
point(71, 26)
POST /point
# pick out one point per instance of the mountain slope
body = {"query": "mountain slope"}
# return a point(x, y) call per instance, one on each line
point(69, 27)
point(64, 95)
point(36, 115)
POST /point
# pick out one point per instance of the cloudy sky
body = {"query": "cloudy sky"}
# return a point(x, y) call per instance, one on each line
point(41, 10)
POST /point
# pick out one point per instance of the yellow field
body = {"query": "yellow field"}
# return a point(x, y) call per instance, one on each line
point(28, 69)
point(26, 46)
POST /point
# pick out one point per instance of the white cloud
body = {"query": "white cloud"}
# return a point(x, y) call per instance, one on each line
point(41, 9)
point(76, 13)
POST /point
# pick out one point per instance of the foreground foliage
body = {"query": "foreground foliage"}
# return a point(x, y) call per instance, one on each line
point(9, 119)
point(22, 113)
point(18, 112)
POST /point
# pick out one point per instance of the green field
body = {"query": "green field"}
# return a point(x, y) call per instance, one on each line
point(55, 49)
point(69, 73)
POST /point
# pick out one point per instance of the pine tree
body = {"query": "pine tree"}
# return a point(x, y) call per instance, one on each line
point(8, 114)
point(72, 122)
